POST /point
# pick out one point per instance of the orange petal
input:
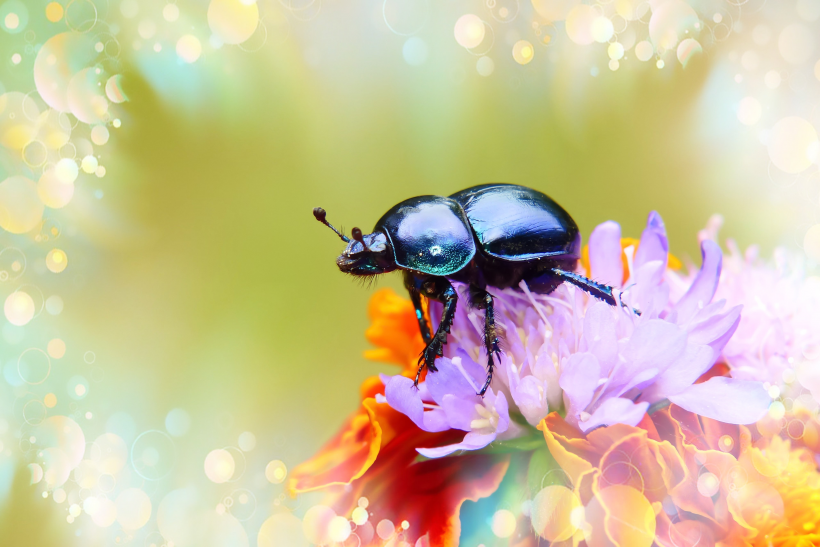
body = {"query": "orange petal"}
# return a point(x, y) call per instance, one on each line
point(351, 452)
point(573, 459)
point(393, 329)
point(429, 494)
point(622, 516)
point(632, 461)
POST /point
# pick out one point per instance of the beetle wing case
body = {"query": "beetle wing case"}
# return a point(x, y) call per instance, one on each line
point(429, 234)
point(517, 223)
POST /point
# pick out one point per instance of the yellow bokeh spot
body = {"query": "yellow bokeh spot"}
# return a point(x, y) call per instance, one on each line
point(469, 30)
point(523, 52)
point(276, 471)
point(56, 348)
point(359, 516)
point(503, 523)
point(552, 513)
point(56, 260)
point(54, 12)
point(12, 21)
point(50, 400)
point(19, 308)
point(219, 466)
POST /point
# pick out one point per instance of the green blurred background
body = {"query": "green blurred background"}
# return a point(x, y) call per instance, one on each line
point(201, 280)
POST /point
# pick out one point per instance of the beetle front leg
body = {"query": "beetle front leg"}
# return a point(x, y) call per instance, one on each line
point(415, 297)
point(438, 288)
point(490, 339)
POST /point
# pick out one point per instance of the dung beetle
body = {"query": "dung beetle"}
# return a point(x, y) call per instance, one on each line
point(488, 235)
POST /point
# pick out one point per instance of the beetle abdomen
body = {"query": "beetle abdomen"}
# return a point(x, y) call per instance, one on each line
point(516, 223)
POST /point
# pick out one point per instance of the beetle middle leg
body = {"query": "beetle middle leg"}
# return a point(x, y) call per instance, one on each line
point(482, 299)
point(437, 288)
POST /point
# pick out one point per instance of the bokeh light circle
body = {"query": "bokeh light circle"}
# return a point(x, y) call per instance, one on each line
point(19, 308)
point(153, 455)
point(316, 524)
point(579, 24)
point(219, 466)
point(551, 513)
point(796, 44)
point(113, 453)
point(34, 366)
point(20, 207)
point(485, 66)
point(133, 508)
point(523, 52)
point(276, 471)
point(232, 20)
point(415, 51)
point(282, 530)
point(189, 48)
point(469, 31)
point(405, 17)
point(789, 144)
point(178, 422)
point(749, 111)
point(503, 523)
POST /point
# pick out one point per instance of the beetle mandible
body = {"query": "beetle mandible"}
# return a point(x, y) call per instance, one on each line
point(493, 235)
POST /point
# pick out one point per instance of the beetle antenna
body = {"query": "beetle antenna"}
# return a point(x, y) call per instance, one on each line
point(320, 215)
point(357, 235)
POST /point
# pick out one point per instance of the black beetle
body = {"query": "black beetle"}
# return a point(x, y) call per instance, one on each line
point(489, 235)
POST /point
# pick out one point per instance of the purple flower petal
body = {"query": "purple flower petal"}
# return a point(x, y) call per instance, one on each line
point(605, 254)
point(449, 380)
point(615, 411)
point(530, 396)
point(650, 293)
point(579, 379)
point(472, 441)
point(681, 374)
point(600, 335)
point(653, 245)
point(460, 412)
point(716, 330)
point(403, 396)
point(655, 344)
point(725, 399)
point(705, 284)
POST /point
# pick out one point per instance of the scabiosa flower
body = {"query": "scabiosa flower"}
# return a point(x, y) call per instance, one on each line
point(778, 338)
point(597, 364)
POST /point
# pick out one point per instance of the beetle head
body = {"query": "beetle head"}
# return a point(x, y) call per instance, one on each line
point(365, 255)
point(369, 254)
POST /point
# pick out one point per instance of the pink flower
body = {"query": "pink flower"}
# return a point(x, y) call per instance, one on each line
point(778, 338)
point(598, 364)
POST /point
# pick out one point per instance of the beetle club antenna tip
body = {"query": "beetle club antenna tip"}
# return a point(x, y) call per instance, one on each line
point(321, 215)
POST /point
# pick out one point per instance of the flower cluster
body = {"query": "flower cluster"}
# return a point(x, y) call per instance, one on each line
point(641, 424)
point(600, 365)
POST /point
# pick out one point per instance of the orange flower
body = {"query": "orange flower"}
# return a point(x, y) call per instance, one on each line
point(683, 480)
point(373, 456)
point(394, 331)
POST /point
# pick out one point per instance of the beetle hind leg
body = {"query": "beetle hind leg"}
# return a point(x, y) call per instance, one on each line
point(490, 339)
